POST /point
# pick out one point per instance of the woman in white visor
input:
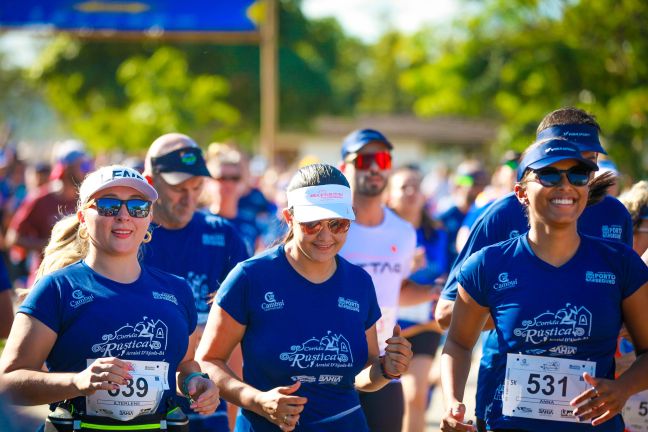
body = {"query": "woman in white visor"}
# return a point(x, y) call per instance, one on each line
point(306, 321)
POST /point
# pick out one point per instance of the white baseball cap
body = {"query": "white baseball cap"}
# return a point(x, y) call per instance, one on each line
point(313, 203)
point(115, 175)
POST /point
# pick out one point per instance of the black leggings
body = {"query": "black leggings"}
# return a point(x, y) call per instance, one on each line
point(384, 408)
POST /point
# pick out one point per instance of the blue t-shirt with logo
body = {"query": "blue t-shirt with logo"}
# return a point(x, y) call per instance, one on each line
point(203, 252)
point(94, 317)
point(505, 219)
point(572, 311)
point(301, 331)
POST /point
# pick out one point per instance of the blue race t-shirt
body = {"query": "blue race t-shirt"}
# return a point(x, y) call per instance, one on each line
point(572, 311)
point(452, 220)
point(505, 219)
point(203, 252)
point(300, 331)
point(93, 316)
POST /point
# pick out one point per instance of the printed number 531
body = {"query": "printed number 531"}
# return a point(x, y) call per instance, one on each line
point(140, 388)
point(546, 384)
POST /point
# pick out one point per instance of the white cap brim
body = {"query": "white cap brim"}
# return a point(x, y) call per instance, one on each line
point(145, 189)
point(321, 202)
point(113, 176)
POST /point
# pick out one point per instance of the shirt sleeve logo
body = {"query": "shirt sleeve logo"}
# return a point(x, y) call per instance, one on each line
point(80, 298)
point(504, 282)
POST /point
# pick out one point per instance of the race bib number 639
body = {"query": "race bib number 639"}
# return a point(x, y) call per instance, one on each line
point(140, 395)
point(541, 387)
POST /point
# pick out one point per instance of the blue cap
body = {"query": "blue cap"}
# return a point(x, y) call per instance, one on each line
point(544, 153)
point(359, 138)
point(585, 136)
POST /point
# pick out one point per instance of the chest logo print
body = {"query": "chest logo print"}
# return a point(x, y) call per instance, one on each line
point(332, 350)
point(569, 324)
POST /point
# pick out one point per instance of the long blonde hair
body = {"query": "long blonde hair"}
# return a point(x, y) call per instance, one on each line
point(65, 247)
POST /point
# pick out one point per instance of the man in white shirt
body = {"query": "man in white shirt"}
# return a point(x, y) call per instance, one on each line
point(384, 245)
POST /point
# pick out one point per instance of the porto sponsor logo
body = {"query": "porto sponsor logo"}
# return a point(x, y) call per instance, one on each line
point(612, 231)
point(504, 282)
point(80, 298)
point(271, 303)
point(569, 324)
point(147, 337)
point(332, 350)
point(600, 277)
point(348, 304)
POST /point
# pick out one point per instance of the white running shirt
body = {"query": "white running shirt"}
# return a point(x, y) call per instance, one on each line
point(386, 252)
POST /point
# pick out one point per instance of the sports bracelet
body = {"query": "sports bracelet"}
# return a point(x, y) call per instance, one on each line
point(384, 372)
point(185, 382)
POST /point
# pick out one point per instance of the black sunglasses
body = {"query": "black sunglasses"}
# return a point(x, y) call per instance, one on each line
point(551, 177)
point(109, 207)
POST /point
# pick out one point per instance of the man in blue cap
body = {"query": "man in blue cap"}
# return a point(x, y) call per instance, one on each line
point(506, 218)
point(199, 247)
point(384, 245)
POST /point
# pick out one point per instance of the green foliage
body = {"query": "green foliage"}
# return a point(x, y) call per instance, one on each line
point(123, 95)
point(515, 61)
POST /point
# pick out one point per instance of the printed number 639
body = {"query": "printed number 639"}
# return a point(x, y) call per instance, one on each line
point(140, 389)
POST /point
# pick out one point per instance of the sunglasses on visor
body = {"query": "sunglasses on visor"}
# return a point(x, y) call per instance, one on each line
point(109, 207)
point(363, 161)
point(336, 226)
point(551, 177)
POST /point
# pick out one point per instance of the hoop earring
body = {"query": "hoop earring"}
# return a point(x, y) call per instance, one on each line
point(147, 237)
point(82, 232)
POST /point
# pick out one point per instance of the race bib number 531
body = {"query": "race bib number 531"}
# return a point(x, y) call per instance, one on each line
point(541, 387)
point(140, 395)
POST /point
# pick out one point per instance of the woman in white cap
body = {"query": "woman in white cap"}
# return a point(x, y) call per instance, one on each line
point(115, 336)
point(557, 299)
point(306, 321)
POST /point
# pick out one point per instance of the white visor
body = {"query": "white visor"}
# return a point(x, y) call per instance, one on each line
point(321, 202)
point(115, 175)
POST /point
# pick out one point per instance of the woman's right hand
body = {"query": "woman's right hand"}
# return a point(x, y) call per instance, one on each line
point(453, 420)
point(106, 373)
point(281, 407)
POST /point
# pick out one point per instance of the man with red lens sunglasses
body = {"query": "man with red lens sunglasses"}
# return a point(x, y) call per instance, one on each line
point(384, 245)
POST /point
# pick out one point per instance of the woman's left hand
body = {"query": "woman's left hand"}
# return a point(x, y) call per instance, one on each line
point(204, 395)
point(602, 402)
point(398, 353)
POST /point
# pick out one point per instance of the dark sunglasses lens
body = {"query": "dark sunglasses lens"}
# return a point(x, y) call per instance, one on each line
point(338, 226)
point(138, 208)
point(548, 177)
point(311, 228)
point(578, 176)
point(108, 206)
point(363, 161)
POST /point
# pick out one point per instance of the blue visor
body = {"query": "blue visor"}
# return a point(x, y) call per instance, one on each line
point(547, 152)
point(585, 136)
